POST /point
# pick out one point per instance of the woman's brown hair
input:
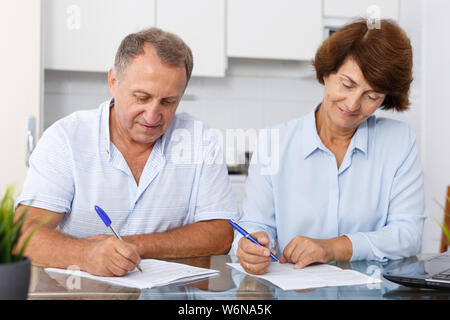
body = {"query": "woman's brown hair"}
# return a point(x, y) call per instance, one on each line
point(384, 56)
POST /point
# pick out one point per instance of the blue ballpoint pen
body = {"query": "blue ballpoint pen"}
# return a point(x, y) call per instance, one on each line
point(107, 221)
point(248, 236)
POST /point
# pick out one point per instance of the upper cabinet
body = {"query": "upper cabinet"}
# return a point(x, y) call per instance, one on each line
point(389, 9)
point(267, 29)
point(83, 35)
point(201, 24)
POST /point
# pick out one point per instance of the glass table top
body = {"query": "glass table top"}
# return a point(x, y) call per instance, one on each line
point(231, 285)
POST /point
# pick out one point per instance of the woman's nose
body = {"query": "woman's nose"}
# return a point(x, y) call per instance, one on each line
point(353, 102)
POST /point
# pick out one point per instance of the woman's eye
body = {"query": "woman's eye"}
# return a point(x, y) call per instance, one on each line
point(373, 98)
point(346, 84)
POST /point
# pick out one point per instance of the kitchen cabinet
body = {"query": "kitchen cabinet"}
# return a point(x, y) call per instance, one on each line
point(267, 29)
point(83, 35)
point(20, 62)
point(201, 24)
point(358, 8)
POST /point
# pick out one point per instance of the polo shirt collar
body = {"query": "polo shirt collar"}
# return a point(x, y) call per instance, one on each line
point(105, 137)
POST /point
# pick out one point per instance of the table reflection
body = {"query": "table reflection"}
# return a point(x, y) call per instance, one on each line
point(230, 284)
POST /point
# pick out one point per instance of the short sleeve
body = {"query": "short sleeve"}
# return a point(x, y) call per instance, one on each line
point(49, 183)
point(215, 198)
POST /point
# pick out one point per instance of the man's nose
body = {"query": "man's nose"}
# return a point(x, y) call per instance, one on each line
point(152, 113)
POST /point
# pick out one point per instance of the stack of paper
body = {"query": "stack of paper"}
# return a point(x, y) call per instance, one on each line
point(315, 276)
point(155, 273)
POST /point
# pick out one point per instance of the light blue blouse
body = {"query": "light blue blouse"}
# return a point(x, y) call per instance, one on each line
point(375, 198)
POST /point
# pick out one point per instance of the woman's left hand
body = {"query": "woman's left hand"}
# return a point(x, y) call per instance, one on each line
point(303, 251)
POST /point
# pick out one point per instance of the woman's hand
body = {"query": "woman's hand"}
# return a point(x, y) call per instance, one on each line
point(254, 259)
point(303, 251)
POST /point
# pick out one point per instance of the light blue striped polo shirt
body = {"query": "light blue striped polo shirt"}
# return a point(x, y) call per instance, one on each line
point(75, 166)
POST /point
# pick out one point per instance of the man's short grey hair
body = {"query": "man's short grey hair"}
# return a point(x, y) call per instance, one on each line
point(170, 48)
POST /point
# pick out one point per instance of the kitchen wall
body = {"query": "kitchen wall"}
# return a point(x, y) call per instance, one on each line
point(436, 115)
point(255, 94)
point(236, 101)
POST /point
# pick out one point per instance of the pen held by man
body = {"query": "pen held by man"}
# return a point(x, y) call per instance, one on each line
point(120, 238)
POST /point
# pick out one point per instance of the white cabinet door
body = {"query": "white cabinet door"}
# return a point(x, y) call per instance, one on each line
point(282, 29)
point(20, 63)
point(358, 8)
point(83, 35)
point(201, 24)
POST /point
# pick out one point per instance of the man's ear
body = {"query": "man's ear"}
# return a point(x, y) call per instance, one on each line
point(112, 81)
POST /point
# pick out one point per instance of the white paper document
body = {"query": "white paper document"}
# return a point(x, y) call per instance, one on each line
point(154, 273)
point(315, 276)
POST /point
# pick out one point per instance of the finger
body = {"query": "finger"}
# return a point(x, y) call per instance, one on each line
point(287, 252)
point(258, 268)
point(299, 250)
point(249, 247)
point(115, 269)
point(261, 237)
point(123, 262)
point(128, 251)
point(254, 259)
point(304, 261)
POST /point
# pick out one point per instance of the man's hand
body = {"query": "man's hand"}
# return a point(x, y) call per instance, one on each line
point(108, 256)
point(303, 251)
point(254, 259)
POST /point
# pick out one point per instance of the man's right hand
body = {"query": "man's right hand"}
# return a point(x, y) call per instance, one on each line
point(108, 256)
point(254, 259)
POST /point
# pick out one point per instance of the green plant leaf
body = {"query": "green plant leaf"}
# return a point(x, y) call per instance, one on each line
point(445, 229)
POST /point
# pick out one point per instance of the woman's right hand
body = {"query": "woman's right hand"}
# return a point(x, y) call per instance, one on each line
point(253, 258)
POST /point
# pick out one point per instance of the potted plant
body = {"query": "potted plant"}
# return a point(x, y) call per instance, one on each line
point(14, 267)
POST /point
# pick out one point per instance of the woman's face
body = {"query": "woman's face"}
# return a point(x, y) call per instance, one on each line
point(348, 98)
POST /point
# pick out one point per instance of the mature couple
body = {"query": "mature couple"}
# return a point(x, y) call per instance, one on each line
point(349, 185)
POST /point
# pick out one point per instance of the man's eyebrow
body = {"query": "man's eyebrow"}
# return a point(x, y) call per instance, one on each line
point(149, 95)
point(141, 91)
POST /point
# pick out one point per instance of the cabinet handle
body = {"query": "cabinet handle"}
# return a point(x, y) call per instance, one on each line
point(31, 131)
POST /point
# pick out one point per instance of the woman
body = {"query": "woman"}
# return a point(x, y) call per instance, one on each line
point(349, 184)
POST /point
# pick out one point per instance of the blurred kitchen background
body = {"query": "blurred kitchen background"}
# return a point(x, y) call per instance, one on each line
point(252, 69)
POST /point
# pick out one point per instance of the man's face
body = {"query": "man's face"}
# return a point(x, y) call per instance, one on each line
point(146, 96)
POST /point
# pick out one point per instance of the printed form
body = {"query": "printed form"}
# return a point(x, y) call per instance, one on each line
point(314, 276)
point(155, 273)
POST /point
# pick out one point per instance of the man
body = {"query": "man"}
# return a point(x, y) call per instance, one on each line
point(126, 157)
